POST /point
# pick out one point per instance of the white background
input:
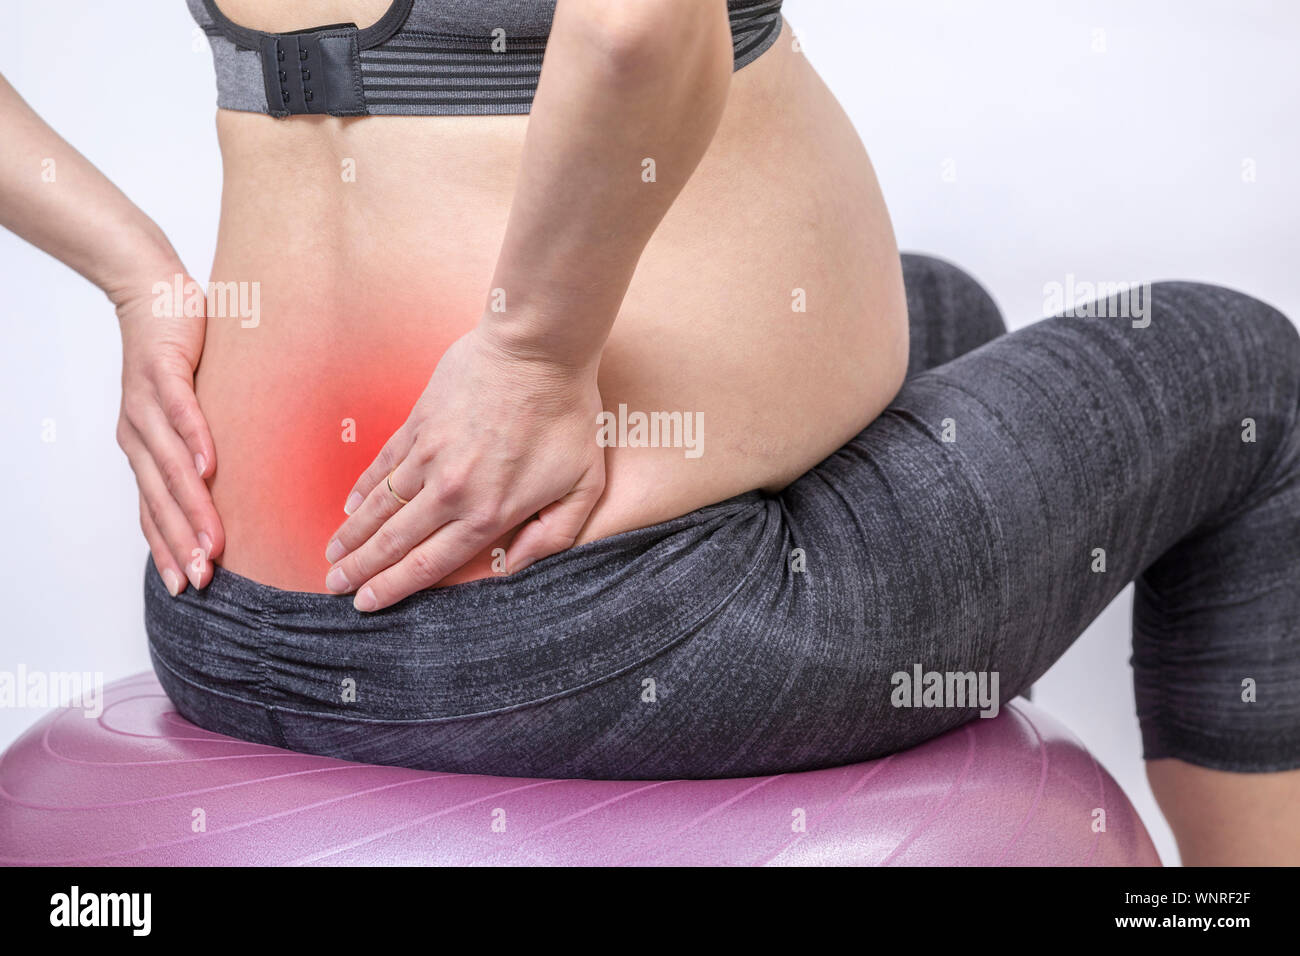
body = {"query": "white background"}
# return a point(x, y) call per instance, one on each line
point(1009, 136)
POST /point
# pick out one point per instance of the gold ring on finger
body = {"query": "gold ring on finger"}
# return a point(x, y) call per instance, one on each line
point(389, 482)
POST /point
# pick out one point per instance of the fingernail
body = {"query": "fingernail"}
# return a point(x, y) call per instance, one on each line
point(334, 551)
point(205, 543)
point(337, 581)
point(353, 503)
point(193, 575)
point(172, 581)
point(365, 600)
point(200, 463)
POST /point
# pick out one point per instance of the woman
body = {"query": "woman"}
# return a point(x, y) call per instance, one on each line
point(643, 490)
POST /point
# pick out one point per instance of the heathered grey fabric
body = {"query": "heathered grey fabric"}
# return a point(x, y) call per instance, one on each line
point(702, 647)
point(239, 71)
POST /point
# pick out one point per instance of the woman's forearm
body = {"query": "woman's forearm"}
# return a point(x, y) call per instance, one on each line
point(54, 198)
point(629, 99)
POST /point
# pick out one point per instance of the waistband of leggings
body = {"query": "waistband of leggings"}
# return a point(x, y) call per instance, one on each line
point(480, 647)
point(231, 588)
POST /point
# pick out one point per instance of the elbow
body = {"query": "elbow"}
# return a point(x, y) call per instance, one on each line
point(635, 41)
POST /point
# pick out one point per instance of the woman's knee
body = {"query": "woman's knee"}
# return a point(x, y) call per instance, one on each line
point(1244, 351)
point(1259, 327)
point(949, 312)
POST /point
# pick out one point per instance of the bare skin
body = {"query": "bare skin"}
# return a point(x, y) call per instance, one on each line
point(1229, 819)
point(367, 283)
point(373, 280)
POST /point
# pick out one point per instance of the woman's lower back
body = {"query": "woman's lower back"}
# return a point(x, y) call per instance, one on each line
point(768, 310)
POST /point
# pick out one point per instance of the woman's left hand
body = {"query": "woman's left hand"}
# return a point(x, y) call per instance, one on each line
point(496, 439)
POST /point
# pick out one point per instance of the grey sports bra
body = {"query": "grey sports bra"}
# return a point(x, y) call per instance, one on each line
point(422, 58)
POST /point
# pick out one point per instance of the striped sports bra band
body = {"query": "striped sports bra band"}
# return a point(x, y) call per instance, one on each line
point(421, 58)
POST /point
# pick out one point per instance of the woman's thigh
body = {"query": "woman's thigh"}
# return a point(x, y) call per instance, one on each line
point(1007, 496)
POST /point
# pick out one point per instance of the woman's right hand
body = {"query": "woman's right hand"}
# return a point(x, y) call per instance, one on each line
point(166, 437)
point(84, 221)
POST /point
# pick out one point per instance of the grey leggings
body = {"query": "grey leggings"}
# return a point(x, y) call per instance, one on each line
point(1016, 484)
